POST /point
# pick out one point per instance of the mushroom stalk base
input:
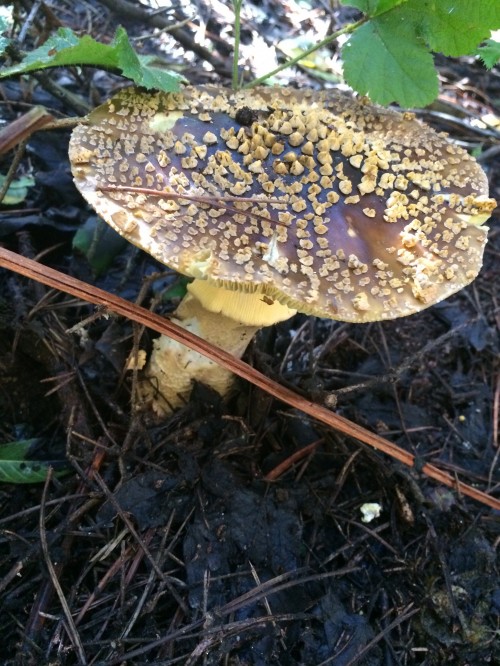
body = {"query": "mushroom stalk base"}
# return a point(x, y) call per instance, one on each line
point(174, 367)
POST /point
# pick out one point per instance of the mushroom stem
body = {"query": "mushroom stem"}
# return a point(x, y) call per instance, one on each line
point(173, 367)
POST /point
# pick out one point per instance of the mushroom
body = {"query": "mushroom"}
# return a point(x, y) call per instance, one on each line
point(276, 201)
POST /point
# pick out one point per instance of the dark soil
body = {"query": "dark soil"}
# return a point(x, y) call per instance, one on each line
point(165, 543)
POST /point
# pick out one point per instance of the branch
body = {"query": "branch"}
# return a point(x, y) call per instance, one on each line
point(86, 292)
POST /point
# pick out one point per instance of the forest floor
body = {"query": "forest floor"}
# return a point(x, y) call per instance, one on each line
point(232, 533)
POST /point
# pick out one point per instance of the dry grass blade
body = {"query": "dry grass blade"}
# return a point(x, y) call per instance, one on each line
point(70, 624)
point(21, 129)
point(70, 285)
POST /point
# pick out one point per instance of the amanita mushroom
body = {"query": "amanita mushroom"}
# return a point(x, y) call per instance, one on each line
point(276, 201)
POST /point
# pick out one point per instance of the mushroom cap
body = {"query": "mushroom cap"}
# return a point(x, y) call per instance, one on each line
point(325, 203)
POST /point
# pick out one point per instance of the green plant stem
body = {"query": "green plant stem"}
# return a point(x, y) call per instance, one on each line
point(237, 29)
point(346, 30)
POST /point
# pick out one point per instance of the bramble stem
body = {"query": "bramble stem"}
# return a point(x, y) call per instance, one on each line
point(237, 29)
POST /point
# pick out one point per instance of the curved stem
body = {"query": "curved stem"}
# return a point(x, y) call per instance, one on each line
point(346, 30)
point(237, 30)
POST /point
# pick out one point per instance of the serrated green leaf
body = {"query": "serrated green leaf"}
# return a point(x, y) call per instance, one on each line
point(156, 77)
point(63, 49)
point(18, 189)
point(455, 27)
point(382, 6)
point(387, 69)
point(15, 468)
point(373, 7)
point(489, 53)
point(389, 57)
point(362, 5)
point(66, 49)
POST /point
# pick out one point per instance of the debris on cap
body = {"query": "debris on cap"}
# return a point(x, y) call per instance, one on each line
point(325, 203)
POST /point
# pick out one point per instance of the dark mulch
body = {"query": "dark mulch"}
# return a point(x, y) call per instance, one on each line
point(166, 544)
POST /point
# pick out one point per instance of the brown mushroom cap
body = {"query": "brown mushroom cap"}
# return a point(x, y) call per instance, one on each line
point(327, 204)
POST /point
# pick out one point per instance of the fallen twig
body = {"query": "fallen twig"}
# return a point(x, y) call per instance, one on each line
point(86, 292)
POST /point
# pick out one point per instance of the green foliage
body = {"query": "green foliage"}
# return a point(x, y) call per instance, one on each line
point(99, 243)
point(490, 53)
point(65, 49)
point(176, 290)
point(17, 191)
point(388, 54)
point(17, 467)
point(389, 69)
point(389, 57)
point(374, 7)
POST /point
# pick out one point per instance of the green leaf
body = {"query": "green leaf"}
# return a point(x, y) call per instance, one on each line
point(382, 6)
point(177, 290)
point(16, 468)
point(390, 69)
point(99, 243)
point(362, 5)
point(451, 27)
point(66, 49)
point(155, 77)
point(373, 7)
point(489, 53)
point(390, 55)
point(18, 189)
point(456, 27)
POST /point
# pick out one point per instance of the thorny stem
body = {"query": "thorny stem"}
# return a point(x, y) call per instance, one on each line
point(236, 53)
point(346, 30)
